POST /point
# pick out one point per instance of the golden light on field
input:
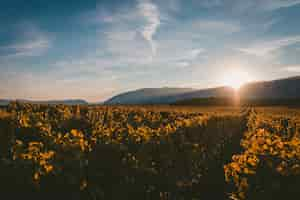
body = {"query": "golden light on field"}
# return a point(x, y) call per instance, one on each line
point(236, 78)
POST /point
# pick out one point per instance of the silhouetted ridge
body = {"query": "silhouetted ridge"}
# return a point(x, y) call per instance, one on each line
point(287, 88)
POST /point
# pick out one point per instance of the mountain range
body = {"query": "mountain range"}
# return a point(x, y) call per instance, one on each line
point(288, 88)
point(4, 102)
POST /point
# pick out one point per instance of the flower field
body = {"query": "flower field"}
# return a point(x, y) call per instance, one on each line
point(102, 152)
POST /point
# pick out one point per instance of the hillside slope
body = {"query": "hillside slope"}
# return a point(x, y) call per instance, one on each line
point(4, 102)
point(167, 95)
point(288, 88)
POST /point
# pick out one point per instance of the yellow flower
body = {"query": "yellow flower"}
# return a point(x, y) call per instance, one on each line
point(83, 184)
point(48, 168)
point(36, 176)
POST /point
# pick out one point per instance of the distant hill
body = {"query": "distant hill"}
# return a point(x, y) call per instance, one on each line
point(4, 102)
point(288, 88)
point(166, 95)
point(148, 96)
point(282, 91)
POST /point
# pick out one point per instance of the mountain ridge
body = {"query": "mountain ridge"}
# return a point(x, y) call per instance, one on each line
point(4, 102)
point(284, 88)
point(278, 88)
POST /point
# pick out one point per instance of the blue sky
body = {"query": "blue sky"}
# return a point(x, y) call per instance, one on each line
point(95, 49)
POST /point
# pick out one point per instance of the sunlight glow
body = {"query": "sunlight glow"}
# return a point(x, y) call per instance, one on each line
point(236, 78)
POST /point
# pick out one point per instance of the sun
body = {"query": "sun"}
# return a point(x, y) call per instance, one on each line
point(236, 78)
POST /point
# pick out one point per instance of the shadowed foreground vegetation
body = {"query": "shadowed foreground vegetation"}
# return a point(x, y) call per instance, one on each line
point(90, 152)
point(212, 101)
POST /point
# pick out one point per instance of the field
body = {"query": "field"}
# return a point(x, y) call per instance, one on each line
point(149, 152)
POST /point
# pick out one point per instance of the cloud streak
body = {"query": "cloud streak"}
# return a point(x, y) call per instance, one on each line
point(216, 26)
point(33, 47)
point(32, 42)
point(292, 68)
point(238, 5)
point(265, 48)
point(152, 16)
point(276, 4)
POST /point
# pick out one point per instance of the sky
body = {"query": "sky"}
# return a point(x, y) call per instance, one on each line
point(94, 49)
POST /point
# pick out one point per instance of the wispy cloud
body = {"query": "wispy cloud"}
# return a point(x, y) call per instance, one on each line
point(262, 48)
point(33, 47)
point(129, 32)
point(238, 6)
point(31, 42)
point(193, 54)
point(184, 57)
point(292, 68)
point(215, 26)
point(183, 64)
point(276, 4)
point(122, 16)
point(151, 14)
point(259, 4)
point(210, 3)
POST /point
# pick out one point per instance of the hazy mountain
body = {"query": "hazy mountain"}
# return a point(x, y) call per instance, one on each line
point(148, 96)
point(221, 92)
point(166, 95)
point(50, 102)
point(4, 102)
point(288, 88)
